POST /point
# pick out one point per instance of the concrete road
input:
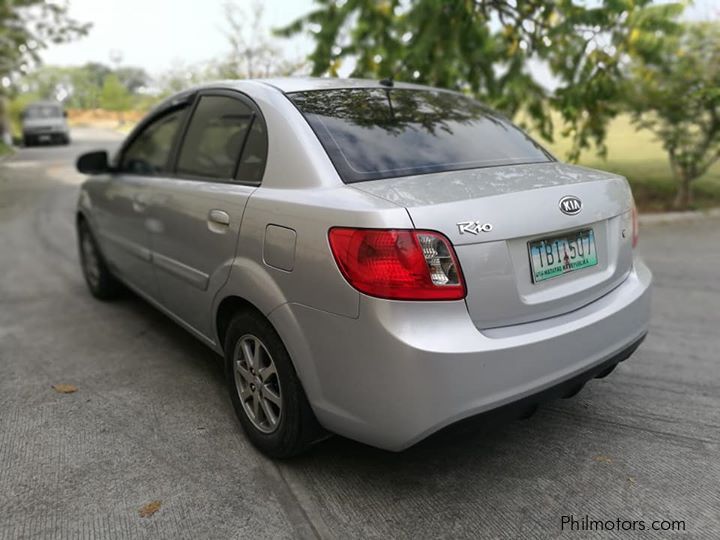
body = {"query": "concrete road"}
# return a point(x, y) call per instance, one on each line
point(151, 421)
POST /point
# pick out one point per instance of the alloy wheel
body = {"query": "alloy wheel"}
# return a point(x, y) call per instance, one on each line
point(90, 260)
point(257, 383)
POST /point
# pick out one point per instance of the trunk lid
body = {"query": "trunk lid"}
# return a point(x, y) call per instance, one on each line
point(521, 204)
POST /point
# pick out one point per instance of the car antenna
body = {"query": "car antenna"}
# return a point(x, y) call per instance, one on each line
point(387, 82)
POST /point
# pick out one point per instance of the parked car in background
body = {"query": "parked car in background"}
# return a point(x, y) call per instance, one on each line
point(377, 259)
point(45, 122)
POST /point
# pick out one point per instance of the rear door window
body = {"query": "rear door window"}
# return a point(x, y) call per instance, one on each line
point(215, 139)
point(375, 133)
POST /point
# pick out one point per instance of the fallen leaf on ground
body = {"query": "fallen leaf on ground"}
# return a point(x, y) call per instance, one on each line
point(602, 459)
point(149, 509)
point(64, 388)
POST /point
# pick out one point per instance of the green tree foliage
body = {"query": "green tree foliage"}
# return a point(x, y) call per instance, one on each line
point(132, 78)
point(87, 82)
point(95, 73)
point(494, 50)
point(80, 87)
point(26, 27)
point(47, 82)
point(676, 95)
point(114, 96)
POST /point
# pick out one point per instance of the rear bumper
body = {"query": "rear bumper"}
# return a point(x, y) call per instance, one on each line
point(567, 388)
point(404, 370)
point(51, 134)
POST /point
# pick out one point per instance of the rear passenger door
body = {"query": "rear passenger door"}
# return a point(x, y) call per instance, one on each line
point(218, 165)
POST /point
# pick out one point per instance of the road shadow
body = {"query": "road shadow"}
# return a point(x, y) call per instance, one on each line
point(197, 355)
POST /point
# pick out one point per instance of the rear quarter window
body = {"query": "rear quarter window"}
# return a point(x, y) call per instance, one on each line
point(372, 133)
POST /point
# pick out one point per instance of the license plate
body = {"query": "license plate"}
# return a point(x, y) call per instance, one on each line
point(559, 255)
point(44, 138)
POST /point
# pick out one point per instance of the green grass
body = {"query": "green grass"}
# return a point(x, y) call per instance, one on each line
point(4, 149)
point(641, 159)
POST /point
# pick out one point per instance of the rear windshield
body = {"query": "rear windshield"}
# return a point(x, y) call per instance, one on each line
point(383, 133)
point(37, 112)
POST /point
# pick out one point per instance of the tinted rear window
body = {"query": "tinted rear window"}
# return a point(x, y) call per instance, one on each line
point(382, 133)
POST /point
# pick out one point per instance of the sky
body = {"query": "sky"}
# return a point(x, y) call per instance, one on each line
point(161, 34)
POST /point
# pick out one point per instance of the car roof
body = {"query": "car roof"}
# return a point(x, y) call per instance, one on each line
point(305, 84)
point(285, 85)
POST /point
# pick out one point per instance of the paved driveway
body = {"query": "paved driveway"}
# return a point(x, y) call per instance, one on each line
point(151, 422)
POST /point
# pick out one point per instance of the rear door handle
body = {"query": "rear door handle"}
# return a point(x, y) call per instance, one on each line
point(219, 217)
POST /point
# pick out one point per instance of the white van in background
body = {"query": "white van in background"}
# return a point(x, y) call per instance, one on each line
point(45, 122)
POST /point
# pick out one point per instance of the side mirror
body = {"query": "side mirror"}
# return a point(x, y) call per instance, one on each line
point(93, 163)
point(65, 114)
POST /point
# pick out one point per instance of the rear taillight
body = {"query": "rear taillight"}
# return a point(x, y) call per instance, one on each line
point(398, 264)
point(635, 225)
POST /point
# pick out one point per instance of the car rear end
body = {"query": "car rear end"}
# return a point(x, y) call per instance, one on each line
point(514, 280)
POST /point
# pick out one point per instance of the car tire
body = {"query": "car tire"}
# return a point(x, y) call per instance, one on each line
point(27, 142)
point(102, 284)
point(274, 376)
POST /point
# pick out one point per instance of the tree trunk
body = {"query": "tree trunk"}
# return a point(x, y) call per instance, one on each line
point(683, 198)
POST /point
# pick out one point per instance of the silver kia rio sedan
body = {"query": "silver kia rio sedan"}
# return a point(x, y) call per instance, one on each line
point(373, 259)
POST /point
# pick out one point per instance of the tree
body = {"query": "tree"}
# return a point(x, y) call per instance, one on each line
point(87, 82)
point(26, 27)
point(132, 78)
point(78, 86)
point(488, 47)
point(676, 95)
point(95, 73)
point(47, 82)
point(114, 96)
point(252, 53)
point(182, 75)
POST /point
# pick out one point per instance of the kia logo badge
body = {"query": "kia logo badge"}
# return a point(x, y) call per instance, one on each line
point(570, 205)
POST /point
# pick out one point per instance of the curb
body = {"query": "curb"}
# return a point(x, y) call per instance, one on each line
point(676, 217)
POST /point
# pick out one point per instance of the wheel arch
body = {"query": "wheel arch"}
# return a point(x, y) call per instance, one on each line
point(80, 217)
point(226, 309)
point(285, 327)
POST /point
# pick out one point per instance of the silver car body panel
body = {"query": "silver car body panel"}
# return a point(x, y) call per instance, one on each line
point(384, 372)
point(404, 370)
